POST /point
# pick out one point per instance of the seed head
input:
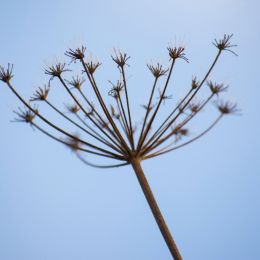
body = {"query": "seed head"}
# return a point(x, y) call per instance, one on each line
point(224, 44)
point(41, 93)
point(76, 82)
point(194, 106)
point(120, 59)
point(194, 83)
point(92, 66)
point(148, 108)
point(56, 70)
point(74, 109)
point(180, 132)
point(177, 53)
point(6, 74)
point(227, 107)
point(113, 112)
point(73, 143)
point(25, 115)
point(157, 70)
point(77, 54)
point(216, 88)
point(163, 97)
point(116, 89)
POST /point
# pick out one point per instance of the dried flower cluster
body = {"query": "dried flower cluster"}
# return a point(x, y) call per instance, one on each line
point(108, 131)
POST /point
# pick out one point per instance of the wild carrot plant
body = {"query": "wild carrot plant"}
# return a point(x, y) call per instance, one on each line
point(109, 131)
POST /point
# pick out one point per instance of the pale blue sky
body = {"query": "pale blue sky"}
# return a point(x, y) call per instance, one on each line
point(54, 207)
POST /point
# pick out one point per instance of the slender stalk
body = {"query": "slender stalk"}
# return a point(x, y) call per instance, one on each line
point(155, 209)
point(128, 110)
point(148, 110)
point(149, 125)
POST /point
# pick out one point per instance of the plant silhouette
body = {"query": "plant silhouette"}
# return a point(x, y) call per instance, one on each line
point(108, 131)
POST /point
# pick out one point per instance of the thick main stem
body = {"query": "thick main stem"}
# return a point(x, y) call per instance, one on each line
point(155, 209)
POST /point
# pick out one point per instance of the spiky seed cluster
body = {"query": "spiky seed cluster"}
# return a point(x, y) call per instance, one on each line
point(179, 132)
point(116, 89)
point(41, 93)
point(77, 54)
point(224, 44)
point(195, 106)
point(120, 59)
point(114, 113)
point(6, 74)
point(73, 143)
point(227, 107)
point(157, 70)
point(117, 139)
point(194, 83)
point(92, 66)
point(177, 53)
point(76, 82)
point(25, 115)
point(74, 109)
point(216, 88)
point(56, 70)
point(148, 108)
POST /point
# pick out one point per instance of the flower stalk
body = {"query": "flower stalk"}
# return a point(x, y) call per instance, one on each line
point(108, 131)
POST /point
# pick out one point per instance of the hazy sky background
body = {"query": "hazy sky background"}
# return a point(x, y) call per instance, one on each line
point(54, 207)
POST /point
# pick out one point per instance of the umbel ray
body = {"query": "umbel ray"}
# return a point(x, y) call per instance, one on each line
point(109, 131)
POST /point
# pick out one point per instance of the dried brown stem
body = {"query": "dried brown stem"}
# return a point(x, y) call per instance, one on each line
point(155, 209)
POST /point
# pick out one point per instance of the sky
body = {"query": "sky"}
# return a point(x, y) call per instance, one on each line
point(52, 206)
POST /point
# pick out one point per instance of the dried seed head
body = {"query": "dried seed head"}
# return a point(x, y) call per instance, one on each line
point(163, 97)
point(227, 107)
point(6, 74)
point(120, 58)
point(41, 93)
point(216, 88)
point(157, 70)
point(74, 109)
point(56, 70)
point(194, 83)
point(25, 115)
point(179, 132)
point(76, 82)
point(73, 143)
point(195, 106)
point(113, 113)
point(92, 66)
point(182, 107)
point(148, 108)
point(177, 53)
point(103, 124)
point(77, 54)
point(224, 43)
point(116, 89)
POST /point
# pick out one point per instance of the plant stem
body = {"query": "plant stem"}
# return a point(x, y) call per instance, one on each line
point(155, 209)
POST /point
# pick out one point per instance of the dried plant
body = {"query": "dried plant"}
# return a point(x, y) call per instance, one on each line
point(108, 131)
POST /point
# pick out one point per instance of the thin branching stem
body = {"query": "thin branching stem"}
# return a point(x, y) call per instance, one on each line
point(58, 128)
point(161, 140)
point(98, 165)
point(68, 144)
point(168, 118)
point(147, 110)
point(95, 112)
point(166, 150)
point(84, 111)
point(131, 136)
point(105, 110)
point(149, 125)
point(190, 99)
point(94, 133)
point(121, 118)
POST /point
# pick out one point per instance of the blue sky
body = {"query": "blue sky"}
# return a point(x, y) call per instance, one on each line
point(54, 207)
